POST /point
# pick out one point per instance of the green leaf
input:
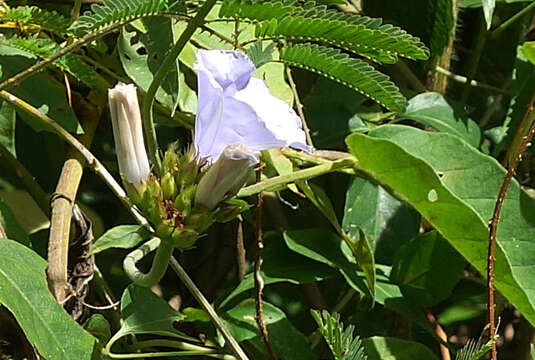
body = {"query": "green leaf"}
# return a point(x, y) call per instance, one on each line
point(283, 265)
point(443, 24)
point(137, 320)
point(327, 248)
point(387, 222)
point(488, 11)
point(142, 52)
point(528, 49)
point(99, 327)
point(35, 16)
point(11, 226)
point(433, 109)
point(121, 237)
point(354, 73)
point(7, 127)
point(287, 341)
point(456, 190)
point(24, 291)
point(427, 268)
point(41, 91)
point(384, 348)
point(115, 11)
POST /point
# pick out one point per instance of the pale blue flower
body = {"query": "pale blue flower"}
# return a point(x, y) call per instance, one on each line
point(235, 108)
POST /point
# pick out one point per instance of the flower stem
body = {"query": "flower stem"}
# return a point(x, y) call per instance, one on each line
point(278, 182)
point(164, 250)
point(197, 294)
point(169, 61)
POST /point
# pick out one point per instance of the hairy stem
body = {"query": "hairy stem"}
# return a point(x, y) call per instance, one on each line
point(197, 294)
point(299, 105)
point(280, 181)
point(164, 250)
point(528, 122)
point(169, 61)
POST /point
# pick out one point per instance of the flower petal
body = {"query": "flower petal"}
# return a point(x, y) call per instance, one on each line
point(237, 109)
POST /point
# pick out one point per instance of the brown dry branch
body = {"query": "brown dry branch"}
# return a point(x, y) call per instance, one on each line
point(444, 351)
point(521, 142)
point(258, 281)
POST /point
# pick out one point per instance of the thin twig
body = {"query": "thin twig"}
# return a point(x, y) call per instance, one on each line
point(258, 281)
point(464, 80)
point(241, 265)
point(528, 121)
point(444, 351)
point(3, 234)
point(496, 32)
point(299, 105)
point(197, 294)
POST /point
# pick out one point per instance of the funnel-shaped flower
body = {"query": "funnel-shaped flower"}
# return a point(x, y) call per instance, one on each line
point(226, 176)
point(235, 108)
point(127, 131)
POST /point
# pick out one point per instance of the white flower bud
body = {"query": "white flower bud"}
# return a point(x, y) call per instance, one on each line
point(226, 176)
point(127, 131)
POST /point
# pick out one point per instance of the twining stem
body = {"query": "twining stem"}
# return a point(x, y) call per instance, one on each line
point(213, 353)
point(197, 294)
point(164, 250)
point(93, 162)
point(169, 61)
point(280, 181)
point(528, 122)
point(258, 281)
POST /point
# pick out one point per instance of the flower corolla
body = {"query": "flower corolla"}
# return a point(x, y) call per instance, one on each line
point(236, 108)
point(128, 134)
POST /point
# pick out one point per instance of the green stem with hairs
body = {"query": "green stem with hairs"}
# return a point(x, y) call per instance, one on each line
point(169, 61)
point(279, 182)
point(164, 250)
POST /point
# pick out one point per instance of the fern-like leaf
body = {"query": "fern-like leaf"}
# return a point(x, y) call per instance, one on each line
point(380, 43)
point(43, 48)
point(257, 10)
point(343, 345)
point(474, 350)
point(362, 35)
point(259, 54)
point(351, 72)
point(114, 11)
point(36, 17)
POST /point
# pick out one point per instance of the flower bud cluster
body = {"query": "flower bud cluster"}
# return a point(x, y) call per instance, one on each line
point(169, 202)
